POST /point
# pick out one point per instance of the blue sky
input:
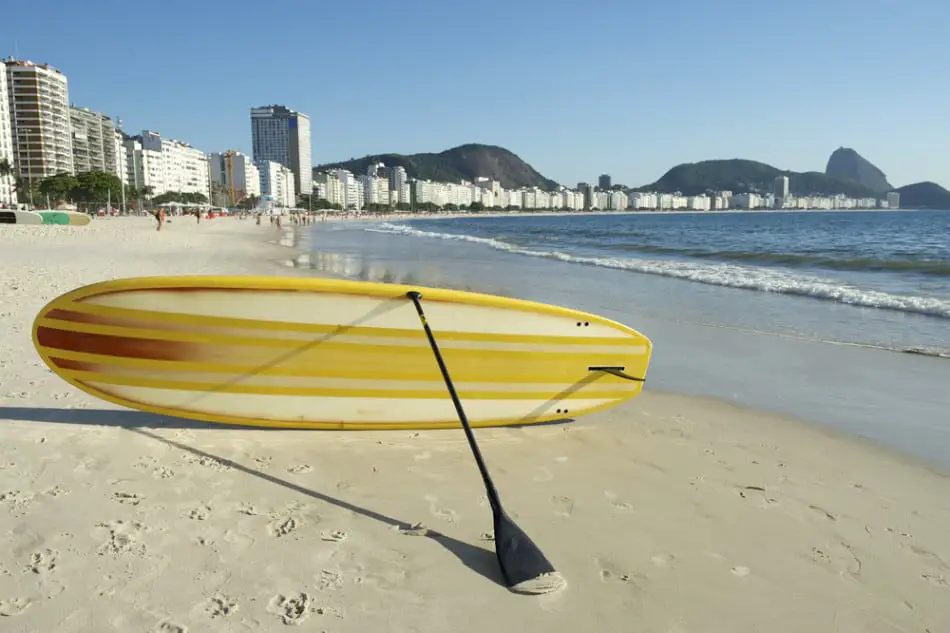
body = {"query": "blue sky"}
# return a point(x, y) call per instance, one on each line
point(575, 88)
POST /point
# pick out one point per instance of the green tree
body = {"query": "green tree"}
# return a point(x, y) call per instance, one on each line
point(6, 169)
point(165, 198)
point(97, 186)
point(59, 187)
point(27, 190)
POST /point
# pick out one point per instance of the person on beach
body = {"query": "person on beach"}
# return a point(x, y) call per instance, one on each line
point(160, 218)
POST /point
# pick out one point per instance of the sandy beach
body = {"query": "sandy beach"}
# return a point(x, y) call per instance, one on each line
point(670, 513)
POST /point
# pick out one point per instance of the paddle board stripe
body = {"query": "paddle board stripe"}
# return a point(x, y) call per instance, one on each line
point(338, 392)
point(161, 337)
point(433, 383)
point(420, 371)
point(82, 312)
point(341, 334)
point(374, 413)
point(339, 362)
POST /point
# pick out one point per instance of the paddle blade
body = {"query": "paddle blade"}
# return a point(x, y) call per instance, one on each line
point(523, 565)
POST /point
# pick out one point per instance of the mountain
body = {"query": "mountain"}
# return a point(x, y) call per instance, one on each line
point(846, 164)
point(741, 176)
point(465, 162)
point(924, 195)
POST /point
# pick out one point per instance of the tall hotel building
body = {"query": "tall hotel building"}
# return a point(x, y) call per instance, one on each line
point(39, 112)
point(7, 157)
point(281, 135)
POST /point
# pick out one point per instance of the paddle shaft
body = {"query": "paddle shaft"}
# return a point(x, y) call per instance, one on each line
point(493, 498)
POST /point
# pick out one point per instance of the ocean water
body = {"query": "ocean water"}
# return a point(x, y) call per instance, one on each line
point(840, 318)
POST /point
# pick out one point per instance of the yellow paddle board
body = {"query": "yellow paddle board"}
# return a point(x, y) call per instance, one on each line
point(332, 354)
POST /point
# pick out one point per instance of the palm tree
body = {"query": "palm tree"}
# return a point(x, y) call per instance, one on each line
point(6, 168)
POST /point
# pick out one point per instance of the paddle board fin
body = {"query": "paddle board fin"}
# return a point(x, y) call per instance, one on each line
point(617, 371)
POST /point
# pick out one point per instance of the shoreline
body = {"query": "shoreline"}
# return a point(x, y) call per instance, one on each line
point(679, 512)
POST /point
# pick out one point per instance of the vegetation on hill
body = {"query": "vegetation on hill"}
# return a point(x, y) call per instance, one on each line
point(924, 195)
point(846, 164)
point(741, 176)
point(465, 162)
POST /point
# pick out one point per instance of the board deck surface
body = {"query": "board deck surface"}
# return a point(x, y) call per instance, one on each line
point(332, 354)
point(9, 216)
point(73, 218)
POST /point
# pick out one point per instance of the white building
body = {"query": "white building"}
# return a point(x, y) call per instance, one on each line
point(699, 203)
point(399, 183)
point(93, 141)
point(7, 156)
point(618, 201)
point(277, 182)
point(893, 200)
point(375, 189)
point(166, 165)
point(121, 162)
point(38, 97)
point(237, 174)
point(282, 135)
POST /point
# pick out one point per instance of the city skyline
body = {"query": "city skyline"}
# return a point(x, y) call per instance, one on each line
point(648, 100)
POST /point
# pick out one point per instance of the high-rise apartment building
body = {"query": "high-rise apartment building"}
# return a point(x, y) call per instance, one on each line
point(603, 183)
point(237, 174)
point(7, 157)
point(282, 135)
point(780, 188)
point(38, 97)
point(93, 141)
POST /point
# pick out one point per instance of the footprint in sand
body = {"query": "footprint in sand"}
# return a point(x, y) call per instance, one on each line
point(14, 606)
point(219, 606)
point(823, 513)
point(620, 506)
point(298, 469)
point(335, 536)
point(445, 514)
point(128, 498)
point(563, 506)
point(42, 562)
point(248, 509)
point(56, 491)
point(936, 580)
point(292, 610)
point(415, 529)
point(200, 513)
point(741, 571)
point(263, 463)
point(611, 573)
point(16, 500)
point(163, 473)
point(329, 580)
point(283, 526)
point(838, 557)
point(166, 626)
point(121, 537)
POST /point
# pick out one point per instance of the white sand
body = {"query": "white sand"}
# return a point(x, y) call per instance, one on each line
point(667, 514)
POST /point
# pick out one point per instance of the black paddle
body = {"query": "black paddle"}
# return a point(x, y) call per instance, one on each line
point(520, 559)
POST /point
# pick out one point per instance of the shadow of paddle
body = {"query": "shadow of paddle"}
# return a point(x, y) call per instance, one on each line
point(479, 560)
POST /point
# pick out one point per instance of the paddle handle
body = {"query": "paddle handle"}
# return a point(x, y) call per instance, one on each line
point(493, 498)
